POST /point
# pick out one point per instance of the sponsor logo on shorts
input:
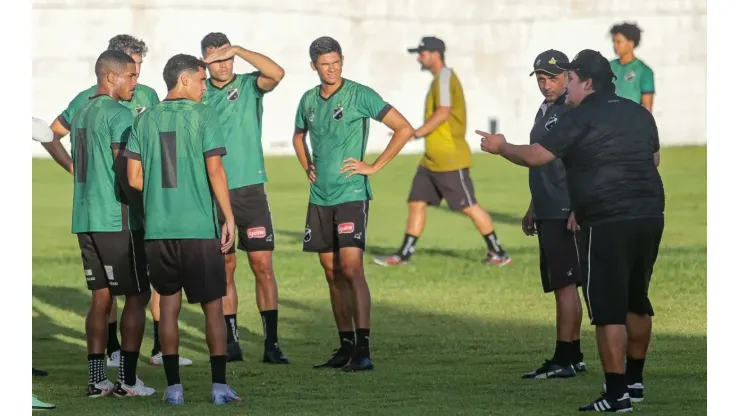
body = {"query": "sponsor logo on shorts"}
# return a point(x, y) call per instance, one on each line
point(358, 236)
point(109, 273)
point(346, 228)
point(269, 238)
point(307, 235)
point(256, 232)
point(89, 275)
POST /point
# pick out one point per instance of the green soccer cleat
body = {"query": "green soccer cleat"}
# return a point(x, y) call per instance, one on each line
point(39, 405)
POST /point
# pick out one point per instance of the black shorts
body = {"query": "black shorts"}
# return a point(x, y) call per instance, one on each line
point(559, 265)
point(455, 187)
point(252, 217)
point(115, 260)
point(329, 228)
point(196, 266)
point(617, 261)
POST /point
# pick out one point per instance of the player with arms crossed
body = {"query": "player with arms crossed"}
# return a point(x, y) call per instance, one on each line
point(237, 98)
point(108, 232)
point(144, 97)
point(336, 116)
point(174, 157)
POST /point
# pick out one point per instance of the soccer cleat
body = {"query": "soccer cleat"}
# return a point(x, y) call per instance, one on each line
point(360, 362)
point(550, 369)
point(394, 260)
point(608, 404)
point(274, 355)
point(39, 405)
point(114, 359)
point(173, 395)
point(498, 260)
point(234, 352)
point(100, 389)
point(138, 389)
point(636, 392)
point(40, 373)
point(580, 366)
point(157, 360)
point(339, 359)
point(222, 394)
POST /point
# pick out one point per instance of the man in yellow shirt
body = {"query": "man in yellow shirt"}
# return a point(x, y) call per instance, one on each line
point(444, 172)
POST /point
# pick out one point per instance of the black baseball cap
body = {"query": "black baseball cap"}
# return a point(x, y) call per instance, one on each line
point(546, 62)
point(429, 43)
point(591, 64)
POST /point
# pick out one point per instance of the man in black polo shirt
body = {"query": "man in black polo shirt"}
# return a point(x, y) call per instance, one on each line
point(549, 216)
point(610, 148)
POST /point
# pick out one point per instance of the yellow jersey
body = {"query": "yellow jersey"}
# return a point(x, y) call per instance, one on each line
point(445, 147)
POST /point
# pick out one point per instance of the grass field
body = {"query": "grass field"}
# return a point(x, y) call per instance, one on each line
point(450, 335)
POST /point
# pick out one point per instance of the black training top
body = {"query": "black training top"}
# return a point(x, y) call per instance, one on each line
point(547, 183)
point(607, 145)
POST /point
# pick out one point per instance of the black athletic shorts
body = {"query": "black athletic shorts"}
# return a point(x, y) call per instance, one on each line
point(329, 228)
point(455, 187)
point(115, 260)
point(196, 266)
point(617, 261)
point(559, 265)
point(252, 217)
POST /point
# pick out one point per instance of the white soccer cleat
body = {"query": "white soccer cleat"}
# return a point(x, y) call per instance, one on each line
point(100, 389)
point(115, 359)
point(157, 360)
point(138, 389)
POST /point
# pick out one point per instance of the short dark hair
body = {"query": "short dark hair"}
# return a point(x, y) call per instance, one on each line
point(128, 44)
point(213, 40)
point(114, 61)
point(322, 46)
point(629, 30)
point(177, 65)
point(600, 81)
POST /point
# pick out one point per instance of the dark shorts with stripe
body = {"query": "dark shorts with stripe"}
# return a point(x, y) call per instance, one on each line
point(195, 266)
point(455, 187)
point(252, 217)
point(617, 260)
point(330, 228)
point(559, 266)
point(115, 260)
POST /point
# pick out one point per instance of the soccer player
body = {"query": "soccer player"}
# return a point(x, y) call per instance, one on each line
point(610, 148)
point(550, 217)
point(107, 226)
point(635, 80)
point(144, 97)
point(237, 98)
point(335, 115)
point(444, 171)
point(174, 156)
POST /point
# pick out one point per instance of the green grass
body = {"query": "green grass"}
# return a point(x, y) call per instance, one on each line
point(450, 336)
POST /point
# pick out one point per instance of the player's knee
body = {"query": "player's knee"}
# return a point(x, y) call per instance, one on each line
point(230, 260)
point(330, 276)
point(417, 207)
point(140, 298)
point(262, 269)
point(353, 271)
point(102, 301)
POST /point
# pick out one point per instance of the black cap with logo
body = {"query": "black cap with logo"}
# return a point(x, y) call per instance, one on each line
point(546, 62)
point(429, 43)
point(590, 64)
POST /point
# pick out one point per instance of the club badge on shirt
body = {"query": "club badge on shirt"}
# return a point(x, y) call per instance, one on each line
point(232, 94)
point(338, 112)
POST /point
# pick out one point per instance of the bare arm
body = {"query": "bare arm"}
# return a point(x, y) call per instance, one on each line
point(526, 155)
point(55, 148)
point(219, 184)
point(656, 158)
point(135, 174)
point(440, 115)
point(271, 73)
point(647, 101)
point(402, 132)
point(301, 148)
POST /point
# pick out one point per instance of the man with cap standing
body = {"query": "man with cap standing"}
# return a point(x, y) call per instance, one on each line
point(444, 171)
point(550, 217)
point(610, 148)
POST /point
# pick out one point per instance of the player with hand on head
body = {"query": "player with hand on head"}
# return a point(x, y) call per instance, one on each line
point(108, 225)
point(237, 98)
point(144, 97)
point(336, 117)
point(174, 157)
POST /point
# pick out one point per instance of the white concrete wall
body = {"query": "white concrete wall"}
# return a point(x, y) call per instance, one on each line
point(491, 45)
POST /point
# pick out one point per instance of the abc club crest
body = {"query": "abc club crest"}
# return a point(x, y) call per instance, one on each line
point(232, 94)
point(338, 112)
point(140, 109)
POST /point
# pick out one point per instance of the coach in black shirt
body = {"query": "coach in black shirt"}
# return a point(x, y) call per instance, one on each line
point(610, 149)
point(550, 217)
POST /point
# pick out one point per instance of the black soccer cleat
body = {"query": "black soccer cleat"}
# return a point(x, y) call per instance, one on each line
point(550, 369)
point(608, 404)
point(40, 373)
point(339, 359)
point(274, 355)
point(580, 366)
point(234, 352)
point(360, 362)
point(636, 392)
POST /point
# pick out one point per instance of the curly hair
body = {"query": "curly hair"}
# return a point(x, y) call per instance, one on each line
point(629, 30)
point(128, 44)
